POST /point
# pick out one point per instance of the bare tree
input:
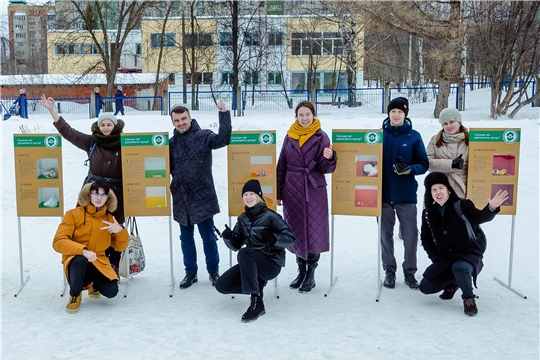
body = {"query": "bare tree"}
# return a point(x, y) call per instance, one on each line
point(97, 18)
point(513, 28)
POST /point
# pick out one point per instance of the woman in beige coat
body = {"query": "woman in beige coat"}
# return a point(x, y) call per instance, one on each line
point(448, 150)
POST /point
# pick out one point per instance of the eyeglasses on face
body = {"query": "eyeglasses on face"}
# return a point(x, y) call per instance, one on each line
point(96, 195)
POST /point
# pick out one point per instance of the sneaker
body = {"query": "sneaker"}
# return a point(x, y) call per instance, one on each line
point(188, 280)
point(74, 303)
point(255, 309)
point(93, 293)
point(449, 292)
point(390, 279)
point(410, 280)
point(469, 307)
point(213, 278)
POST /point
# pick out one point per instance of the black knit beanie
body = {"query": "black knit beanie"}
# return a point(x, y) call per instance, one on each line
point(400, 103)
point(252, 185)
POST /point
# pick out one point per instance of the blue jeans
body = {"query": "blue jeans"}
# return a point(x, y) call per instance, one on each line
point(187, 240)
point(461, 275)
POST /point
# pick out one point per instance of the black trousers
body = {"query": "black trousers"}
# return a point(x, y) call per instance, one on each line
point(82, 273)
point(250, 275)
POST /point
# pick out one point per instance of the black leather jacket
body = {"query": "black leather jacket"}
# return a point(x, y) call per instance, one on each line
point(250, 230)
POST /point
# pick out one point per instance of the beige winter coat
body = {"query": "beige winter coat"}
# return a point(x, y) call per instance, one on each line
point(440, 159)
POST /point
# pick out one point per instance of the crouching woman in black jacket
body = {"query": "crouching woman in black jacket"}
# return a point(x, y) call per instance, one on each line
point(265, 236)
point(456, 259)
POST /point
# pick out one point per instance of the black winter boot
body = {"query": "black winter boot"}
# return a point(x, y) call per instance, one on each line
point(255, 309)
point(390, 279)
point(296, 283)
point(309, 281)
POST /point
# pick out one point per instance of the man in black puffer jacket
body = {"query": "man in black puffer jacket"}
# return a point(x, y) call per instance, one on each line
point(192, 187)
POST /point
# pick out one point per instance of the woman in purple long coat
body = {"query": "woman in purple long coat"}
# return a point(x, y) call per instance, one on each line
point(305, 157)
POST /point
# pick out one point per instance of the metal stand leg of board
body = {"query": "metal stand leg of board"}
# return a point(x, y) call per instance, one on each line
point(511, 264)
point(23, 280)
point(276, 290)
point(379, 265)
point(171, 286)
point(65, 283)
point(333, 279)
point(128, 285)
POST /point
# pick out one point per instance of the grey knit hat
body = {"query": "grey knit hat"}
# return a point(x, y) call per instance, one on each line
point(107, 116)
point(449, 114)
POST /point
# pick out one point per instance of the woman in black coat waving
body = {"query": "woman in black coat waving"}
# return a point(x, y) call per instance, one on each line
point(456, 259)
point(260, 236)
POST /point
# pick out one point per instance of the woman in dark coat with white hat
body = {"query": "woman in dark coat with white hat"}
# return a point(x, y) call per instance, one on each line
point(103, 149)
point(456, 259)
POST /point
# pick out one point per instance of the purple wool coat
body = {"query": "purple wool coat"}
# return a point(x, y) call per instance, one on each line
point(301, 185)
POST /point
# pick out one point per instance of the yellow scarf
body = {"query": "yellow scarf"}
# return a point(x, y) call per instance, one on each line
point(302, 134)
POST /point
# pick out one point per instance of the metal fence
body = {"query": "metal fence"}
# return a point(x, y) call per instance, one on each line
point(202, 100)
point(272, 99)
point(135, 105)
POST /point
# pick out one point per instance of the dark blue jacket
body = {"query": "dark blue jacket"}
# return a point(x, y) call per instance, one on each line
point(23, 106)
point(405, 142)
point(192, 185)
point(119, 99)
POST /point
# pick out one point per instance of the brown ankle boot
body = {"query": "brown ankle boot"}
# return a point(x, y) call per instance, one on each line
point(469, 306)
point(448, 293)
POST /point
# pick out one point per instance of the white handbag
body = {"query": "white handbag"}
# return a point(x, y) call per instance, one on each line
point(132, 261)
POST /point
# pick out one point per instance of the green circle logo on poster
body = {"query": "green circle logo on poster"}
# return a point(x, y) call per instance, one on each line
point(50, 141)
point(372, 137)
point(158, 140)
point(510, 136)
point(266, 139)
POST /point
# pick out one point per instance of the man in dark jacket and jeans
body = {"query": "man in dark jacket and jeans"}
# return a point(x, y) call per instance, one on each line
point(192, 187)
point(404, 156)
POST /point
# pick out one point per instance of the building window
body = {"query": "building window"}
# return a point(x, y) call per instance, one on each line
point(251, 78)
point(67, 49)
point(51, 18)
point(89, 49)
point(199, 40)
point(19, 26)
point(20, 35)
point(138, 49)
point(316, 43)
point(168, 42)
point(252, 39)
point(19, 18)
point(274, 78)
point(275, 39)
point(202, 78)
point(227, 78)
point(225, 39)
point(78, 26)
point(31, 19)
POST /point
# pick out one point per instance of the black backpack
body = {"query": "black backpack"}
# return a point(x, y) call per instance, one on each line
point(479, 236)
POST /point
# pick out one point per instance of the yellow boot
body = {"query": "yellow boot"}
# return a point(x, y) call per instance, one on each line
point(73, 305)
point(93, 293)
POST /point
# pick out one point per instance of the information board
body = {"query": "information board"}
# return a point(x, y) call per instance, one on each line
point(146, 174)
point(493, 166)
point(357, 180)
point(38, 174)
point(251, 155)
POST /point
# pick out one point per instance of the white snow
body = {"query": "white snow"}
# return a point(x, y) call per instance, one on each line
point(200, 323)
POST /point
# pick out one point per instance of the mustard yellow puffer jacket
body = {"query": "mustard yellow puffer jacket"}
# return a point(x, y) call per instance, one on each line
point(80, 229)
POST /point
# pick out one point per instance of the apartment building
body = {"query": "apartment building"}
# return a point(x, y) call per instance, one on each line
point(28, 26)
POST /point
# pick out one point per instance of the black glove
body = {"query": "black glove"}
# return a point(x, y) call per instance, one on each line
point(457, 163)
point(227, 233)
point(401, 168)
point(268, 237)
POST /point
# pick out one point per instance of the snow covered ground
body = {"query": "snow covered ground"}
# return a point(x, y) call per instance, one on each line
point(200, 323)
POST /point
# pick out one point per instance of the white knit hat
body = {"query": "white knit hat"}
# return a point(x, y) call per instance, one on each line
point(119, 87)
point(449, 114)
point(107, 116)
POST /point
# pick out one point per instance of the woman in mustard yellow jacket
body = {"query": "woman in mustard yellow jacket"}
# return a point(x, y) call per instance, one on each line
point(82, 238)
